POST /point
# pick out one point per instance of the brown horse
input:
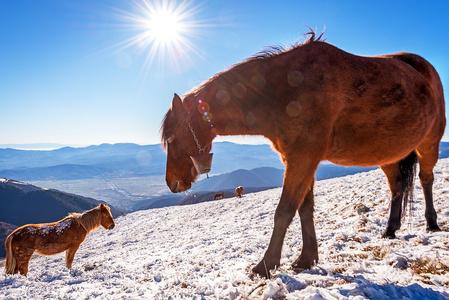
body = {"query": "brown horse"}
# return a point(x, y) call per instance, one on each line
point(239, 191)
point(316, 102)
point(218, 196)
point(52, 238)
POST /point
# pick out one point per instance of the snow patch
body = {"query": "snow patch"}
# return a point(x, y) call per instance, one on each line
point(57, 228)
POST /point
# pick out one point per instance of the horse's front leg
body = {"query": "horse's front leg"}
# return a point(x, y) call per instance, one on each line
point(297, 181)
point(309, 254)
point(70, 255)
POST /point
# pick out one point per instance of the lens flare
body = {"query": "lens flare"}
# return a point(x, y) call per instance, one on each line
point(203, 107)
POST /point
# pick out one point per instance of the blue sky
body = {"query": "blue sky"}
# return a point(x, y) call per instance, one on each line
point(69, 73)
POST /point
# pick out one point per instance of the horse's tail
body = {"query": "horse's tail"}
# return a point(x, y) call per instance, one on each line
point(407, 168)
point(11, 261)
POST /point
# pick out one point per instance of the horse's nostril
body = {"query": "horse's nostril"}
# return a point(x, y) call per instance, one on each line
point(111, 226)
point(174, 187)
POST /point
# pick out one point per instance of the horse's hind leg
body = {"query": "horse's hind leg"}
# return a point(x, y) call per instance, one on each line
point(394, 181)
point(400, 177)
point(428, 157)
point(309, 253)
point(23, 261)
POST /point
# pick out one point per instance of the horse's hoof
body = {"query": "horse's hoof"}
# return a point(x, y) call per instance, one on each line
point(388, 234)
point(255, 274)
point(299, 269)
point(262, 269)
point(303, 264)
point(433, 228)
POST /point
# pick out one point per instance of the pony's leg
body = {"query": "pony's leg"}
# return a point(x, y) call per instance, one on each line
point(394, 181)
point(23, 264)
point(298, 179)
point(23, 256)
point(70, 255)
point(309, 254)
point(428, 157)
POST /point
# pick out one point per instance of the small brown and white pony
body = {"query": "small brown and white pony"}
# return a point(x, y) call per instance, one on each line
point(316, 102)
point(52, 238)
point(218, 196)
point(239, 192)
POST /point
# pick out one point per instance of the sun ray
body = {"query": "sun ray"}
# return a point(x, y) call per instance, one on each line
point(164, 30)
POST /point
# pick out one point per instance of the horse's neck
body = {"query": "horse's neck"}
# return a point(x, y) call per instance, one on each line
point(248, 108)
point(90, 220)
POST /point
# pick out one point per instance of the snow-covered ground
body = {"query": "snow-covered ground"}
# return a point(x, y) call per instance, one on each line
point(206, 251)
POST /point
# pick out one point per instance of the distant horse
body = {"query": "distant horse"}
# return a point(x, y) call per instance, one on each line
point(52, 238)
point(316, 102)
point(239, 191)
point(218, 196)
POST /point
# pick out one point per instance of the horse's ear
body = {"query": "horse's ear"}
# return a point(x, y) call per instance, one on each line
point(101, 206)
point(176, 105)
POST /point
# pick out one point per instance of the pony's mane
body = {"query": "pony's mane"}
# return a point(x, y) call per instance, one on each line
point(90, 219)
point(264, 54)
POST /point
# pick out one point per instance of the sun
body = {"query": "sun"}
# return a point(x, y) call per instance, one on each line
point(163, 29)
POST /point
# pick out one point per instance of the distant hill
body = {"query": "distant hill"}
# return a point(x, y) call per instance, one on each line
point(59, 172)
point(326, 171)
point(131, 160)
point(200, 197)
point(23, 203)
point(118, 160)
point(121, 160)
point(259, 177)
point(5, 230)
point(267, 176)
point(254, 180)
point(444, 150)
point(143, 167)
point(204, 197)
point(158, 202)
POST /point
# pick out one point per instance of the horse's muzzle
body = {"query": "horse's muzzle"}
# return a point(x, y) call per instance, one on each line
point(111, 226)
point(179, 186)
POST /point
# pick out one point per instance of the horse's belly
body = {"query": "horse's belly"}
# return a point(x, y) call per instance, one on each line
point(51, 248)
point(371, 151)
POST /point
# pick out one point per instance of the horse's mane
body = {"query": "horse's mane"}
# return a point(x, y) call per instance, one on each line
point(90, 219)
point(279, 49)
point(267, 53)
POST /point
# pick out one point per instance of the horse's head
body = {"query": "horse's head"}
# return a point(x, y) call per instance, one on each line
point(187, 142)
point(106, 218)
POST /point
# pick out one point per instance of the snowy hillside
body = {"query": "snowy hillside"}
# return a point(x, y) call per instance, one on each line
point(206, 251)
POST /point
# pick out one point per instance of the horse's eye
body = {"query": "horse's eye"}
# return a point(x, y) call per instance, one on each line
point(170, 139)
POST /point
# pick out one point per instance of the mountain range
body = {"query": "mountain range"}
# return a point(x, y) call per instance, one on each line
point(131, 176)
point(121, 160)
point(131, 160)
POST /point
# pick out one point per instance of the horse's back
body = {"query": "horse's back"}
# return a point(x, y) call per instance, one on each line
point(49, 238)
